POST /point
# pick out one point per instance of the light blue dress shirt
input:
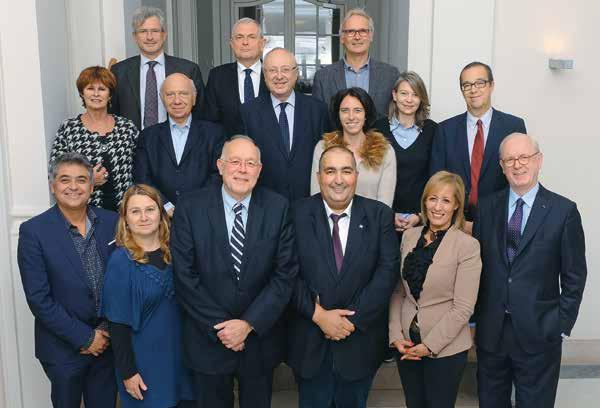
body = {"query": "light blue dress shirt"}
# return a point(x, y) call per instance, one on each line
point(358, 78)
point(528, 198)
point(179, 136)
point(159, 70)
point(404, 136)
point(228, 203)
point(289, 112)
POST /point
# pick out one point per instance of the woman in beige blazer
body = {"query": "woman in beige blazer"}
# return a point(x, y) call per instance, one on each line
point(434, 299)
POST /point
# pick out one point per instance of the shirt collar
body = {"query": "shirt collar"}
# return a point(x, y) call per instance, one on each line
point(395, 124)
point(347, 210)
point(229, 201)
point(290, 100)
point(174, 125)
point(90, 218)
point(160, 59)
point(486, 118)
point(256, 67)
point(528, 197)
point(347, 67)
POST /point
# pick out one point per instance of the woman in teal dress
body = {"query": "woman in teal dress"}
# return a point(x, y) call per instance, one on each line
point(139, 303)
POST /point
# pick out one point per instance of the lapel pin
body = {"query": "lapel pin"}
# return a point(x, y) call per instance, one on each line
point(360, 226)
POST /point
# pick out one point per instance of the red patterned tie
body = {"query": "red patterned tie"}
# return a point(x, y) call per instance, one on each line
point(476, 161)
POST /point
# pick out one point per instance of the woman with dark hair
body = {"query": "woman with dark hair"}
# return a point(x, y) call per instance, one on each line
point(139, 303)
point(410, 133)
point(354, 114)
point(108, 141)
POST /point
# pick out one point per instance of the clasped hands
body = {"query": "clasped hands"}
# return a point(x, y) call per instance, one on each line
point(333, 323)
point(410, 351)
point(233, 333)
point(99, 344)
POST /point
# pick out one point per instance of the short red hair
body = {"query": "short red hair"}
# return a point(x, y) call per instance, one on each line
point(94, 74)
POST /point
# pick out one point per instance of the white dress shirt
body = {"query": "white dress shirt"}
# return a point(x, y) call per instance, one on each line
point(343, 223)
point(159, 71)
point(289, 112)
point(254, 75)
point(486, 119)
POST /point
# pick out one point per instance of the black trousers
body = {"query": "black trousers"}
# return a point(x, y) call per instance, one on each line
point(432, 382)
point(216, 391)
point(535, 376)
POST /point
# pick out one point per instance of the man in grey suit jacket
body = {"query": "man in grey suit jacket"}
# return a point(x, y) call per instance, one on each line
point(357, 68)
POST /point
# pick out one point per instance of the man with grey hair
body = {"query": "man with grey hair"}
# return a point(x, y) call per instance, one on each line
point(62, 255)
point(532, 281)
point(286, 125)
point(179, 154)
point(139, 78)
point(230, 85)
point(357, 68)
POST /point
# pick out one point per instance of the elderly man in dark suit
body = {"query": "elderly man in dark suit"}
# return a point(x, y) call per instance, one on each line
point(286, 125)
point(534, 272)
point(234, 268)
point(179, 154)
point(357, 68)
point(231, 85)
point(467, 144)
point(62, 257)
point(349, 265)
point(139, 78)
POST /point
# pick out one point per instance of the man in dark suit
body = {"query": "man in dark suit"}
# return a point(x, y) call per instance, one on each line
point(62, 257)
point(231, 85)
point(139, 78)
point(467, 144)
point(179, 154)
point(532, 281)
point(234, 266)
point(357, 68)
point(349, 262)
point(286, 126)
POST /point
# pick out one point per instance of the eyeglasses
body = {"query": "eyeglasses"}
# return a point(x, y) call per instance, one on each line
point(362, 32)
point(285, 70)
point(144, 31)
point(251, 164)
point(522, 159)
point(480, 83)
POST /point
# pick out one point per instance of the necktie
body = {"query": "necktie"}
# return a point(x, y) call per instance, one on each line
point(513, 235)
point(248, 87)
point(151, 97)
point(284, 126)
point(338, 253)
point(476, 161)
point(238, 237)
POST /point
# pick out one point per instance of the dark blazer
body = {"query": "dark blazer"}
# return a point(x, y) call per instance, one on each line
point(207, 289)
point(155, 162)
point(126, 99)
point(286, 173)
point(544, 286)
point(450, 151)
point(331, 79)
point(222, 103)
point(55, 283)
point(369, 274)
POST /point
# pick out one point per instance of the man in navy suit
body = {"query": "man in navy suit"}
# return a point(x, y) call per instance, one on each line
point(349, 262)
point(231, 85)
point(286, 125)
point(139, 78)
point(532, 281)
point(234, 268)
point(467, 144)
point(179, 154)
point(62, 256)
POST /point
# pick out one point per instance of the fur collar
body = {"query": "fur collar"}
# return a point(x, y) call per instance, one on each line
point(372, 151)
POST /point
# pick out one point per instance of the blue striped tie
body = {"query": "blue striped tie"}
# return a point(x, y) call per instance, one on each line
point(238, 237)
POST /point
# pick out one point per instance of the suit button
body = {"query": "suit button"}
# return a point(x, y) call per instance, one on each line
point(509, 280)
point(177, 171)
point(177, 192)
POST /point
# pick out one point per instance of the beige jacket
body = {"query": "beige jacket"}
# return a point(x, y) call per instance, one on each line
point(448, 297)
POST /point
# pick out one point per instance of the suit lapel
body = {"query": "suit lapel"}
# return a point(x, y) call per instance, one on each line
point(262, 88)
point(355, 243)
point(339, 77)
point(540, 209)
point(193, 138)
point(219, 228)
point(492, 143)
point(299, 125)
point(501, 214)
point(373, 74)
point(169, 65)
point(255, 220)
point(133, 77)
point(234, 84)
point(269, 118)
point(167, 140)
point(323, 233)
point(462, 144)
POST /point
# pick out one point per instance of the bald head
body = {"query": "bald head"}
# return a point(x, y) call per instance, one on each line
point(178, 94)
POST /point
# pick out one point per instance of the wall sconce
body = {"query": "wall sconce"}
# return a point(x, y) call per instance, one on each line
point(555, 63)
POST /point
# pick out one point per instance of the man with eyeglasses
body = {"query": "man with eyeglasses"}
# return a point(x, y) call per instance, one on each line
point(230, 85)
point(286, 125)
point(179, 154)
point(532, 281)
point(234, 271)
point(467, 144)
point(139, 78)
point(357, 68)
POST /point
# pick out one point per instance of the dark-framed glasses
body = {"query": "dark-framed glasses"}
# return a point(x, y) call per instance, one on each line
point(480, 83)
point(522, 159)
point(362, 32)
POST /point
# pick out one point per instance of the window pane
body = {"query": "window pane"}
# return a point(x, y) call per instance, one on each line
point(273, 22)
point(272, 42)
point(329, 21)
point(306, 17)
point(329, 49)
point(306, 49)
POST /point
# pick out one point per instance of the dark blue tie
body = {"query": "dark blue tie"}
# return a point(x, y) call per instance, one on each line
point(151, 97)
point(284, 126)
point(513, 235)
point(248, 87)
point(237, 240)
